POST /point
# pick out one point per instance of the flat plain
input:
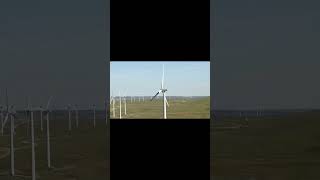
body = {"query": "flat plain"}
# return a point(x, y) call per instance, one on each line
point(277, 148)
point(81, 154)
point(195, 108)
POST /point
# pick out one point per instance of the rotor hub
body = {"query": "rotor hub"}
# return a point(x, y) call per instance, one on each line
point(163, 90)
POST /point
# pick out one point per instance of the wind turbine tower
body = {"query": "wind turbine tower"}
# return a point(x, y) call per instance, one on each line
point(163, 91)
point(41, 124)
point(77, 115)
point(120, 105)
point(113, 109)
point(125, 102)
point(33, 148)
point(12, 132)
point(48, 134)
point(69, 110)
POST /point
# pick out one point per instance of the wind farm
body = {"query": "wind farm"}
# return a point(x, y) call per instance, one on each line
point(38, 142)
point(140, 99)
point(268, 144)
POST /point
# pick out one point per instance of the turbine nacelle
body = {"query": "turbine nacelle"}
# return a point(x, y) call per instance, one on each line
point(163, 90)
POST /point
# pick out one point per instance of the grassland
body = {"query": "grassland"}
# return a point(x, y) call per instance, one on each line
point(81, 154)
point(178, 109)
point(268, 148)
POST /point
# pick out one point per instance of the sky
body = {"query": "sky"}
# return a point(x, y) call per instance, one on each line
point(144, 78)
point(265, 54)
point(57, 48)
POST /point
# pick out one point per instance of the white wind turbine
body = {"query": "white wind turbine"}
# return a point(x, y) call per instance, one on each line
point(69, 111)
point(48, 133)
point(125, 102)
point(163, 91)
point(120, 105)
point(77, 115)
point(110, 100)
point(32, 147)
point(10, 113)
point(46, 113)
point(113, 109)
point(27, 113)
point(125, 106)
point(113, 99)
point(41, 113)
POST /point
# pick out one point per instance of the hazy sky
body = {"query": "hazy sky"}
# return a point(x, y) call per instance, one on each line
point(54, 48)
point(266, 53)
point(144, 78)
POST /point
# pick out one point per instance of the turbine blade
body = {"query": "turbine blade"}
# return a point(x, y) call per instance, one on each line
point(155, 95)
point(162, 76)
point(165, 98)
point(5, 120)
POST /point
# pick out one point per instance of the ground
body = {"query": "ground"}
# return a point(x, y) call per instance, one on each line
point(266, 148)
point(81, 155)
point(178, 109)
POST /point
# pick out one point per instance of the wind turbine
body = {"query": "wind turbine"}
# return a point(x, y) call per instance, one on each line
point(12, 116)
point(125, 106)
point(48, 133)
point(125, 102)
point(69, 111)
point(111, 98)
point(32, 147)
point(10, 113)
point(27, 111)
point(77, 115)
point(46, 113)
point(41, 113)
point(163, 91)
point(113, 109)
point(120, 105)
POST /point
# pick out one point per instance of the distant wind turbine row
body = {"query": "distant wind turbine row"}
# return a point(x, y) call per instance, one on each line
point(9, 114)
point(122, 99)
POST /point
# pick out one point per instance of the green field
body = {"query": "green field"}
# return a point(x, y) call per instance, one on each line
point(180, 108)
point(266, 148)
point(81, 155)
